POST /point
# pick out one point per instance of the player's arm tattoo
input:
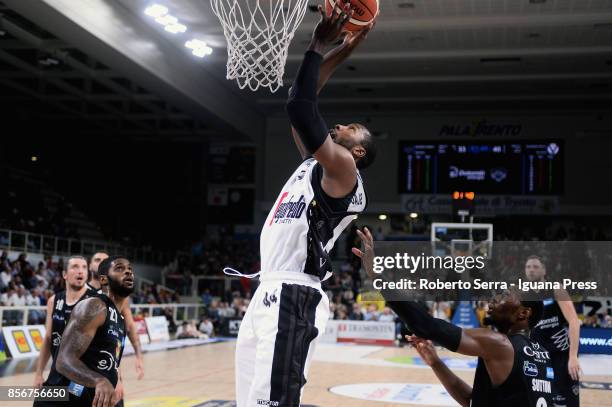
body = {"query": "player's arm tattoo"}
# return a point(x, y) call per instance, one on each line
point(86, 317)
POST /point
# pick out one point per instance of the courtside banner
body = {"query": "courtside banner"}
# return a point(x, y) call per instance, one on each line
point(157, 328)
point(19, 341)
point(596, 340)
point(367, 332)
point(141, 330)
point(331, 332)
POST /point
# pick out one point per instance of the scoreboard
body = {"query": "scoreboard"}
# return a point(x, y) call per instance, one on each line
point(487, 167)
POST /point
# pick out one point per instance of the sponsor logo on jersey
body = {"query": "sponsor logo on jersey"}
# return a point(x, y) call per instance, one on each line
point(538, 353)
point(269, 299)
point(550, 373)
point(58, 317)
point(76, 389)
point(107, 361)
point(272, 403)
point(357, 199)
point(56, 338)
point(530, 369)
point(541, 386)
point(548, 301)
point(288, 211)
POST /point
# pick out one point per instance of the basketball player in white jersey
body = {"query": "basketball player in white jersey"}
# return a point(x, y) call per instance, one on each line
point(289, 310)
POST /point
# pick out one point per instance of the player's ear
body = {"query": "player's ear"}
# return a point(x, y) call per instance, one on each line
point(358, 151)
point(103, 279)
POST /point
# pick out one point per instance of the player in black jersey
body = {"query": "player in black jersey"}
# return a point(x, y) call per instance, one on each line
point(559, 332)
point(93, 342)
point(59, 308)
point(512, 370)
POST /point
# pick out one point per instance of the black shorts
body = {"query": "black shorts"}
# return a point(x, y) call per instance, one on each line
point(568, 389)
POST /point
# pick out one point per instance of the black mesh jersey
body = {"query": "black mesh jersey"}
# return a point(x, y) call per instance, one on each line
point(530, 383)
point(59, 319)
point(553, 329)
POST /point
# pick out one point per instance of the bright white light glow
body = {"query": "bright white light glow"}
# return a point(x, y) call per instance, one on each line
point(199, 48)
point(176, 28)
point(382, 217)
point(156, 10)
point(414, 215)
point(167, 20)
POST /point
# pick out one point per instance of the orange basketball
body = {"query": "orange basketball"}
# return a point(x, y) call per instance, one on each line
point(364, 12)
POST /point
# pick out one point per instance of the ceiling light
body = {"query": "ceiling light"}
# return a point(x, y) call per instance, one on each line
point(414, 215)
point(167, 20)
point(176, 28)
point(34, 158)
point(382, 217)
point(202, 52)
point(156, 10)
point(195, 44)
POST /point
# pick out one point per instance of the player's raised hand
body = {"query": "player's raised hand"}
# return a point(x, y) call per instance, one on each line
point(354, 38)
point(367, 255)
point(329, 29)
point(424, 348)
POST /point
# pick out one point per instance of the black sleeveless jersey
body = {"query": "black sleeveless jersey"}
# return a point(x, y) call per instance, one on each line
point(59, 319)
point(530, 383)
point(552, 331)
point(105, 350)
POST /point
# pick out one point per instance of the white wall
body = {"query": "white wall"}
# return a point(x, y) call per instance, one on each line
point(588, 167)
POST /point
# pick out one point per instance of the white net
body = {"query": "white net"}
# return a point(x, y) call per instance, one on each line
point(258, 34)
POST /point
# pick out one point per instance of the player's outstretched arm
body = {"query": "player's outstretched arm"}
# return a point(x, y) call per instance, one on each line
point(457, 388)
point(85, 320)
point(45, 351)
point(331, 61)
point(339, 169)
point(569, 312)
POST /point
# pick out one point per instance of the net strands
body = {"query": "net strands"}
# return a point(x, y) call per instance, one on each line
point(258, 35)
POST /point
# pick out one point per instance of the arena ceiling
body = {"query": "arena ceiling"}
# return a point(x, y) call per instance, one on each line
point(423, 55)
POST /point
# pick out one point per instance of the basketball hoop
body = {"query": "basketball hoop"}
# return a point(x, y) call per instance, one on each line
point(258, 34)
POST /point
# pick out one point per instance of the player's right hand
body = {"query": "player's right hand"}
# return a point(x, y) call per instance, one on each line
point(367, 255)
point(105, 394)
point(425, 349)
point(329, 29)
point(38, 380)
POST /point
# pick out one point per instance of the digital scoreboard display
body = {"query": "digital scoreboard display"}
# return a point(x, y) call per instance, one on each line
point(487, 167)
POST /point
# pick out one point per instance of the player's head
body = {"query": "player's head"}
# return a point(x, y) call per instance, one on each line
point(534, 268)
point(509, 312)
point(94, 263)
point(117, 272)
point(358, 140)
point(75, 272)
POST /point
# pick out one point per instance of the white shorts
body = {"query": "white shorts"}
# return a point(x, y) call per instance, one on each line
point(277, 338)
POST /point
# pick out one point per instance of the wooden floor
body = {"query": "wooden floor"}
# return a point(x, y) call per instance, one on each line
point(204, 373)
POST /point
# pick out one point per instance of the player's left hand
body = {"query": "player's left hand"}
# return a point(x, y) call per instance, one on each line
point(139, 367)
point(366, 256)
point(353, 38)
point(573, 368)
point(425, 349)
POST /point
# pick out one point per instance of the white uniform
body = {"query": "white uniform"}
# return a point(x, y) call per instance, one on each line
point(289, 310)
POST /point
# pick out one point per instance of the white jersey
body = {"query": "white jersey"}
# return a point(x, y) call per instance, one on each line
point(304, 223)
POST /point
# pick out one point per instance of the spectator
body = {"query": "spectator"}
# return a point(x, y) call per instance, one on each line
point(356, 314)
point(386, 315)
point(372, 313)
point(206, 327)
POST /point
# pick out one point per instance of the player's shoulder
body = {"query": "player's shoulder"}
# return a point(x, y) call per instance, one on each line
point(91, 305)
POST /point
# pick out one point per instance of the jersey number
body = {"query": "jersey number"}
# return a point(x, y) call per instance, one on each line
point(541, 402)
point(59, 305)
point(113, 315)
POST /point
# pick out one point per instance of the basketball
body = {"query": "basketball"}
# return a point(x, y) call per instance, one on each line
point(364, 12)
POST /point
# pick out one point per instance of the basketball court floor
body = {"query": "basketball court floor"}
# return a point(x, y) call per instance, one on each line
point(341, 375)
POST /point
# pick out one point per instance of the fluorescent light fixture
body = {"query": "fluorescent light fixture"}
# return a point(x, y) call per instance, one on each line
point(382, 217)
point(199, 48)
point(176, 28)
point(167, 20)
point(414, 215)
point(195, 44)
point(156, 10)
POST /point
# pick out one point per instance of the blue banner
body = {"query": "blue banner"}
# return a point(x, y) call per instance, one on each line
point(596, 340)
point(465, 317)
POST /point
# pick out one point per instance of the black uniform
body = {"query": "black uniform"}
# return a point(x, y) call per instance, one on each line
point(102, 356)
point(553, 333)
point(59, 319)
point(531, 382)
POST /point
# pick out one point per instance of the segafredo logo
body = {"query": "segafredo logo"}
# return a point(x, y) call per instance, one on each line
point(288, 210)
